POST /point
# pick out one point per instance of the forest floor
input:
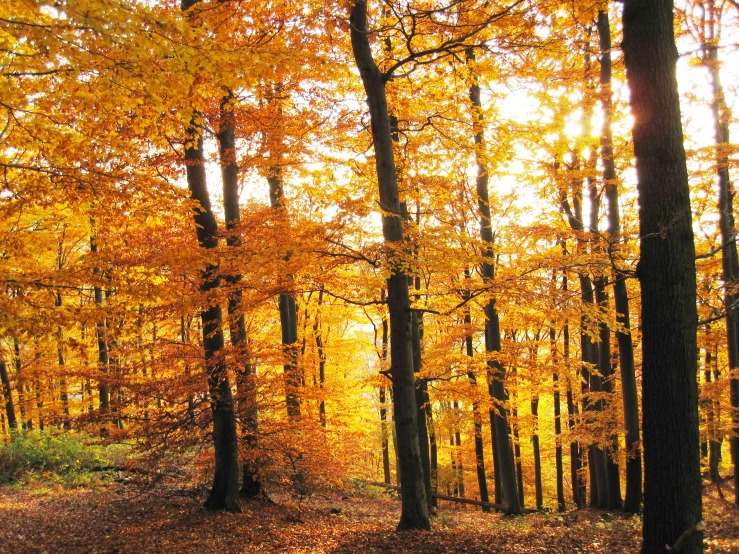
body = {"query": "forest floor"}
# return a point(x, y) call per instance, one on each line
point(108, 518)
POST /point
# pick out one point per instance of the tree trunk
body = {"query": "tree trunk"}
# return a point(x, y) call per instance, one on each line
point(383, 410)
point(224, 494)
point(561, 504)
point(729, 259)
point(632, 502)
point(100, 328)
point(422, 399)
point(288, 312)
point(318, 333)
point(666, 271)
point(385, 443)
point(8, 392)
point(476, 415)
point(22, 388)
point(496, 371)
point(576, 452)
point(414, 507)
point(613, 475)
point(247, 398)
point(517, 445)
point(537, 456)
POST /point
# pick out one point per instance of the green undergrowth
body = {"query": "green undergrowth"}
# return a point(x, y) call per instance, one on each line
point(70, 457)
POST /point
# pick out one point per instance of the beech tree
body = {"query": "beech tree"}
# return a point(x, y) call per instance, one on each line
point(666, 271)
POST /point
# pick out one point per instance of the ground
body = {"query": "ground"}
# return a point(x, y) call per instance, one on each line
point(118, 517)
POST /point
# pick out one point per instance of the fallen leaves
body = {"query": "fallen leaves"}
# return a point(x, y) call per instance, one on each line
point(117, 519)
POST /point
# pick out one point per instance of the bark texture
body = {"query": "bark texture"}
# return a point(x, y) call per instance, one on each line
point(414, 507)
point(247, 398)
point(632, 502)
point(666, 271)
point(506, 470)
point(225, 490)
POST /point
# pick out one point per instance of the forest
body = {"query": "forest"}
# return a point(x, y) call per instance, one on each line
point(415, 275)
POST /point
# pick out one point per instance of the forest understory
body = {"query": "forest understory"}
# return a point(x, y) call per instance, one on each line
point(123, 517)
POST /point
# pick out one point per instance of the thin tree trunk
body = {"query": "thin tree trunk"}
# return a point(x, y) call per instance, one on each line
point(383, 410)
point(414, 506)
point(561, 504)
point(318, 332)
point(496, 371)
point(729, 259)
point(22, 388)
point(100, 331)
point(476, 415)
point(288, 312)
point(537, 456)
point(613, 475)
point(576, 452)
point(8, 392)
point(247, 398)
point(632, 502)
point(666, 271)
point(516, 442)
point(385, 443)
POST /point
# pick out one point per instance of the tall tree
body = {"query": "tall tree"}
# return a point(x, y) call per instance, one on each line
point(710, 38)
point(666, 271)
point(632, 502)
point(247, 398)
point(496, 371)
point(224, 494)
point(414, 510)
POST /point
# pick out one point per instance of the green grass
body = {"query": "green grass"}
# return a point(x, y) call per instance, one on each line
point(67, 455)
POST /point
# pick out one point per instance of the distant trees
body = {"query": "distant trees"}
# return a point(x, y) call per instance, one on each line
point(141, 332)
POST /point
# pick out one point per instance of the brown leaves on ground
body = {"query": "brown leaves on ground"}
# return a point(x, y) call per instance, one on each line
point(115, 519)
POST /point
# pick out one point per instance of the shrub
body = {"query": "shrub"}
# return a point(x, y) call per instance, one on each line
point(61, 453)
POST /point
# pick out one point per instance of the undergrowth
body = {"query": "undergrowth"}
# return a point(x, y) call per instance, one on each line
point(68, 455)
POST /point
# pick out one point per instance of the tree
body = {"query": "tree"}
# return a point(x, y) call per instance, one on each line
point(414, 511)
point(496, 371)
point(632, 502)
point(225, 490)
point(666, 272)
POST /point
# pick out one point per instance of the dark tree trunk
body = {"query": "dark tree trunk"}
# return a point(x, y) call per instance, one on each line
point(224, 494)
point(576, 452)
point(422, 399)
point(477, 416)
point(613, 475)
point(666, 271)
point(414, 507)
point(383, 410)
point(247, 398)
point(64, 392)
point(100, 328)
point(713, 409)
point(561, 504)
point(537, 456)
point(458, 444)
point(496, 371)
point(385, 443)
point(433, 450)
point(22, 388)
point(517, 446)
point(632, 502)
point(497, 486)
point(8, 392)
point(288, 312)
point(729, 259)
point(318, 333)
